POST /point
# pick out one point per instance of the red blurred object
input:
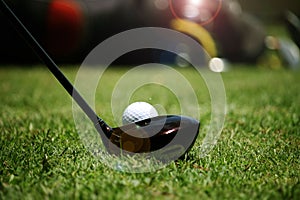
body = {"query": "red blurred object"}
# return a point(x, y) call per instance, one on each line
point(64, 26)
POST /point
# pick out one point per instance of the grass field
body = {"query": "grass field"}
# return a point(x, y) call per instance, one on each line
point(256, 157)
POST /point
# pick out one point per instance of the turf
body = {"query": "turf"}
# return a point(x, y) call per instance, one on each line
point(256, 157)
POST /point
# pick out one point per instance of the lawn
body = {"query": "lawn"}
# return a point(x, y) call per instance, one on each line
point(256, 157)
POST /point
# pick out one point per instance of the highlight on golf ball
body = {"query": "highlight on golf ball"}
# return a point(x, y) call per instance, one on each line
point(138, 111)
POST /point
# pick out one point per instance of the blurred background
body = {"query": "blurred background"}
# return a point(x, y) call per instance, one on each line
point(236, 31)
point(270, 10)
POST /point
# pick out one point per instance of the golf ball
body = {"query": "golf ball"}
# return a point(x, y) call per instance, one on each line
point(138, 111)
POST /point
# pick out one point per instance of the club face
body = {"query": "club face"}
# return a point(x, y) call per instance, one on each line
point(164, 137)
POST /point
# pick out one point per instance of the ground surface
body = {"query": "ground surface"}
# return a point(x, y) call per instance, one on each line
point(256, 157)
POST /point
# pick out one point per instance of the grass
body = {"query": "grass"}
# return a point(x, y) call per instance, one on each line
point(256, 157)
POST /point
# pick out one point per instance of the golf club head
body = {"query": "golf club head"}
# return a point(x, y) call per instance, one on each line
point(164, 137)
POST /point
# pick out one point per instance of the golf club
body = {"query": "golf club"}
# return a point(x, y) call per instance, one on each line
point(131, 138)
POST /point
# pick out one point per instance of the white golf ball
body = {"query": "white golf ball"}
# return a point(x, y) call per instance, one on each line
point(138, 111)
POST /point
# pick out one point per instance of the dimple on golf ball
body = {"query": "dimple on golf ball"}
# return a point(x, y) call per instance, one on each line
point(138, 111)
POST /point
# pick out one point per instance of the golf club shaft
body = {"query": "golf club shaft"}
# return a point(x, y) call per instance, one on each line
point(52, 66)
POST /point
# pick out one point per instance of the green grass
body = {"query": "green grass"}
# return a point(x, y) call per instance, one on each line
point(256, 157)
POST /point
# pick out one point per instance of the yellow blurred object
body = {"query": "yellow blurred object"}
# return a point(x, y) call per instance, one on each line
point(270, 60)
point(198, 32)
